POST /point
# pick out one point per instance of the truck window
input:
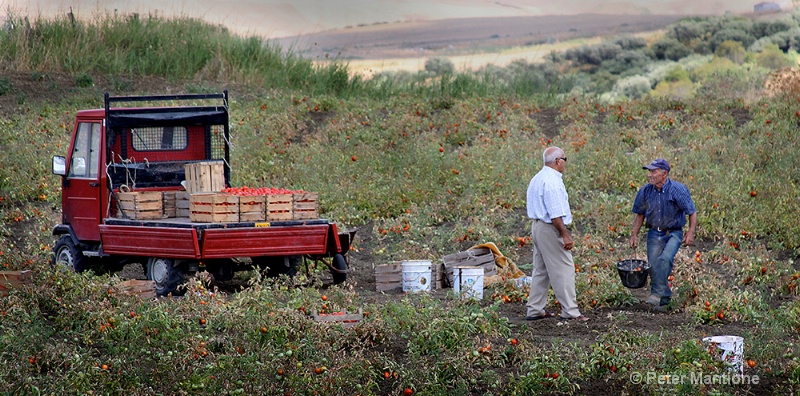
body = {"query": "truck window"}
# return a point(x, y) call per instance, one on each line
point(86, 152)
point(159, 138)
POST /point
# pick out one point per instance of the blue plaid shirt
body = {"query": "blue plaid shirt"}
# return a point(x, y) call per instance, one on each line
point(666, 208)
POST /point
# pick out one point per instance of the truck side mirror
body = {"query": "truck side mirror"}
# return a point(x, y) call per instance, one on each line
point(59, 165)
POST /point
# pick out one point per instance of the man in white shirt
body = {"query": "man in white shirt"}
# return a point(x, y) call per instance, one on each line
point(548, 206)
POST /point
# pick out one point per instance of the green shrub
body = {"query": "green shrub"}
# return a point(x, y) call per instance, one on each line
point(5, 86)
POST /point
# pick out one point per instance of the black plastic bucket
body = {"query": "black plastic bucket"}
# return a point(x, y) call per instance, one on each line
point(633, 272)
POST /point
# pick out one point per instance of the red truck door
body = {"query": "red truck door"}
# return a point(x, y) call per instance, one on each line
point(82, 189)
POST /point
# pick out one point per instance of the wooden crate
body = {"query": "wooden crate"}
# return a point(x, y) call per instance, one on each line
point(388, 277)
point(305, 206)
point(14, 280)
point(279, 207)
point(141, 205)
point(168, 204)
point(182, 204)
point(205, 176)
point(341, 318)
point(135, 287)
point(253, 208)
point(213, 208)
point(481, 257)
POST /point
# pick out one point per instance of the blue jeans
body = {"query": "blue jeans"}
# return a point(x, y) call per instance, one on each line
point(662, 246)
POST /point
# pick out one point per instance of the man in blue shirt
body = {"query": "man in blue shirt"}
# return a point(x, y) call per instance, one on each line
point(662, 205)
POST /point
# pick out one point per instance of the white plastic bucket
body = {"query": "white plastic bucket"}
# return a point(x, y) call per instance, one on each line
point(729, 349)
point(468, 281)
point(416, 275)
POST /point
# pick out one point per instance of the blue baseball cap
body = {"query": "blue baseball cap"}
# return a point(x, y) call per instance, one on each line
point(658, 163)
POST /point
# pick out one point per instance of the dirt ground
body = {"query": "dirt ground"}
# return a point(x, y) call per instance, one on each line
point(469, 35)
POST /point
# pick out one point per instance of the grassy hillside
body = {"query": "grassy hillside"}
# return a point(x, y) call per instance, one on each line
point(425, 165)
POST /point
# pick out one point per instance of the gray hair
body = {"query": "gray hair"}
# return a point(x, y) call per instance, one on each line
point(551, 153)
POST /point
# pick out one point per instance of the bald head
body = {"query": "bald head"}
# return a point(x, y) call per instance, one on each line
point(551, 154)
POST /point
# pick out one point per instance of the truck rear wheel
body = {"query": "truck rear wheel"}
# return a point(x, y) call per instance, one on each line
point(68, 256)
point(339, 269)
point(165, 274)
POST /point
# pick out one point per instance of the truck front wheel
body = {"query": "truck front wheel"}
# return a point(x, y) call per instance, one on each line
point(165, 274)
point(68, 256)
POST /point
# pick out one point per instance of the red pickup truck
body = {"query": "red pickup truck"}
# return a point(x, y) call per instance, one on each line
point(143, 143)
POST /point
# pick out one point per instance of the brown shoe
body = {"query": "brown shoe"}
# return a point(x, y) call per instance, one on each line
point(545, 315)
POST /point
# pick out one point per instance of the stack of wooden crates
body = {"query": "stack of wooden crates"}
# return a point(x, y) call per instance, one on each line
point(203, 201)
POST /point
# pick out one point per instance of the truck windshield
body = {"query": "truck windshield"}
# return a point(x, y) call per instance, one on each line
point(86, 152)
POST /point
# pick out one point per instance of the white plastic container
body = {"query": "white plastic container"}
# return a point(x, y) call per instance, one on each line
point(416, 276)
point(468, 281)
point(729, 349)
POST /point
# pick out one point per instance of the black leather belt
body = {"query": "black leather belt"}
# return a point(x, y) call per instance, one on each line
point(659, 229)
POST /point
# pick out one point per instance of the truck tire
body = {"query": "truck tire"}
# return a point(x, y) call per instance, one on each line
point(165, 274)
point(67, 256)
point(338, 269)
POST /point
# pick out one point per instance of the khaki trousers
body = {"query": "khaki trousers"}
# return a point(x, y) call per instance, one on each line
point(552, 266)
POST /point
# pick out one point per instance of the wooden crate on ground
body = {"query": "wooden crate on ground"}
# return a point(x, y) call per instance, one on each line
point(204, 176)
point(135, 287)
point(438, 276)
point(253, 208)
point(305, 206)
point(140, 205)
point(182, 204)
point(279, 207)
point(168, 204)
point(481, 257)
point(213, 208)
point(388, 277)
point(343, 318)
point(14, 280)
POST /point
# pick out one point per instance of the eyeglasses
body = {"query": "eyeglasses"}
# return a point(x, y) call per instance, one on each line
point(562, 158)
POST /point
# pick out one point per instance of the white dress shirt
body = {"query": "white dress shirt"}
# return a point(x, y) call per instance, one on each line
point(547, 197)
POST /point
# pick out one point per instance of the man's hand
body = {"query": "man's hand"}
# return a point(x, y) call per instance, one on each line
point(688, 238)
point(634, 241)
point(562, 230)
point(568, 243)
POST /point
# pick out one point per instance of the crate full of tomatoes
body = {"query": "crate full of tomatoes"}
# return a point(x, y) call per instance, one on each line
point(275, 204)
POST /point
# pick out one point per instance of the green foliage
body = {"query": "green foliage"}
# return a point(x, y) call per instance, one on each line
point(84, 80)
point(670, 49)
point(5, 86)
point(439, 66)
point(732, 50)
point(771, 57)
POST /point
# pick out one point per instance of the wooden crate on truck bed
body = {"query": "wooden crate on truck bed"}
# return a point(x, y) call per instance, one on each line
point(253, 208)
point(213, 208)
point(478, 257)
point(280, 207)
point(140, 205)
point(305, 206)
point(168, 204)
point(204, 176)
point(182, 204)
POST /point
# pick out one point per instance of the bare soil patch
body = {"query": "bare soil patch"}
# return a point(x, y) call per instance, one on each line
point(464, 35)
